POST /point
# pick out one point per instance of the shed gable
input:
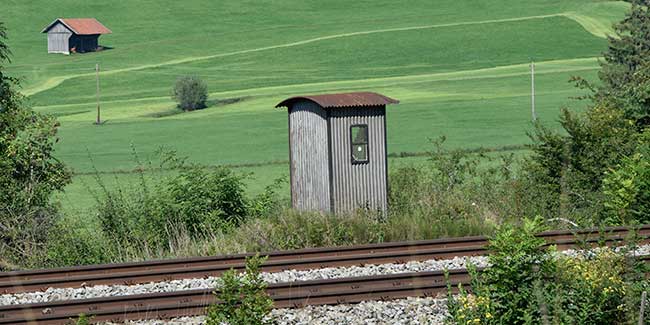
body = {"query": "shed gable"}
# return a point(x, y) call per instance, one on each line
point(59, 28)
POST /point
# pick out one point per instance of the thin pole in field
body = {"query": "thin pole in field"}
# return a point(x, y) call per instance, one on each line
point(642, 311)
point(99, 121)
point(532, 90)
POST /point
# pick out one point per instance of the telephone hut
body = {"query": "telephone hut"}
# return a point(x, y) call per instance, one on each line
point(337, 151)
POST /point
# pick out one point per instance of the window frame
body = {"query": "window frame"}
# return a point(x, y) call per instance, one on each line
point(353, 144)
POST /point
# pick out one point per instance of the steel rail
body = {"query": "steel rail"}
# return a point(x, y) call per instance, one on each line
point(173, 269)
point(194, 302)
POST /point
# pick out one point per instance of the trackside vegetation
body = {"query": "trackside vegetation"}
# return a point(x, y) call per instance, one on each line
point(29, 173)
point(242, 298)
point(528, 283)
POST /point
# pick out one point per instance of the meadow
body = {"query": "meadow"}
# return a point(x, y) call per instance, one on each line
point(459, 68)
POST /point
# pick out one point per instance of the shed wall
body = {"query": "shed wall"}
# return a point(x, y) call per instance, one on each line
point(309, 152)
point(57, 39)
point(358, 185)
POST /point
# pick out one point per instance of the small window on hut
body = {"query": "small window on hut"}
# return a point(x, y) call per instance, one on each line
point(359, 137)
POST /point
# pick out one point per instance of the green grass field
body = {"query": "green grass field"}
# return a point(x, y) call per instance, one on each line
point(460, 69)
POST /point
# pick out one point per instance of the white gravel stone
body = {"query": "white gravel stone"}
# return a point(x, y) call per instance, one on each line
point(394, 312)
point(56, 294)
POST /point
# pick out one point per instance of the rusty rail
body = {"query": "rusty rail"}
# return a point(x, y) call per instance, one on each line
point(194, 302)
point(172, 269)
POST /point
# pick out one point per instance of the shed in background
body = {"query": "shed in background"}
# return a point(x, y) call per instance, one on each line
point(337, 151)
point(65, 35)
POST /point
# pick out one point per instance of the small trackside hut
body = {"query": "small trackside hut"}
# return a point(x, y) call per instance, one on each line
point(337, 151)
point(65, 35)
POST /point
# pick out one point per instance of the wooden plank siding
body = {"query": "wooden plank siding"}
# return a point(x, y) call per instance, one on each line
point(308, 142)
point(362, 185)
point(58, 39)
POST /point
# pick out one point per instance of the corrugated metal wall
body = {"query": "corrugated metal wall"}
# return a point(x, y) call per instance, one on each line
point(358, 185)
point(57, 39)
point(310, 187)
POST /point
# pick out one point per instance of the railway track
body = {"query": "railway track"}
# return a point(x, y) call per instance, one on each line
point(194, 302)
point(303, 259)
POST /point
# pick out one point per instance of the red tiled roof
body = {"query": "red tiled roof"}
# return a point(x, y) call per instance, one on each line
point(343, 100)
point(81, 26)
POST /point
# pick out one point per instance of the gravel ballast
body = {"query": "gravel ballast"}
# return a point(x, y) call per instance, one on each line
point(394, 312)
point(56, 294)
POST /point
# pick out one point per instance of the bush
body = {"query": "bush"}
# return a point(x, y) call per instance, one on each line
point(29, 173)
point(202, 197)
point(243, 300)
point(196, 201)
point(504, 292)
point(627, 188)
point(528, 284)
point(190, 92)
point(567, 171)
point(454, 193)
point(69, 243)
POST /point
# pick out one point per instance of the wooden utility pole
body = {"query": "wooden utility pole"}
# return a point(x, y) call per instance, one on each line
point(99, 120)
point(532, 90)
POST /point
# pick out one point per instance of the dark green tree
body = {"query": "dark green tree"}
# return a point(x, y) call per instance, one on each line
point(625, 72)
point(567, 169)
point(29, 173)
point(190, 92)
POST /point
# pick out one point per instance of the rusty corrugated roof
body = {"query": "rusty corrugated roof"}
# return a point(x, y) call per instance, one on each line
point(81, 26)
point(343, 100)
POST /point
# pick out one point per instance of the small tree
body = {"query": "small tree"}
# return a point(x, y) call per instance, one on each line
point(244, 300)
point(190, 92)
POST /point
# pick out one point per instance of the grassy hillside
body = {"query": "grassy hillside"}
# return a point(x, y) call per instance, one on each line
point(460, 69)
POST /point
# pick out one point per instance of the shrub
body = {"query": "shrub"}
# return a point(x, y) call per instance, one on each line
point(527, 284)
point(167, 206)
point(453, 193)
point(504, 292)
point(29, 173)
point(190, 92)
point(268, 202)
point(69, 243)
point(242, 300)
point(627, 188)
point(201, 197)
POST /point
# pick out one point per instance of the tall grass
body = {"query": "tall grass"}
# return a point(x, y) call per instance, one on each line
point(201, 211)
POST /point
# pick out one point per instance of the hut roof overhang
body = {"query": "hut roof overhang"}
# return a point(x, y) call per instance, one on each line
point(80, 26)
point(341, 100)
